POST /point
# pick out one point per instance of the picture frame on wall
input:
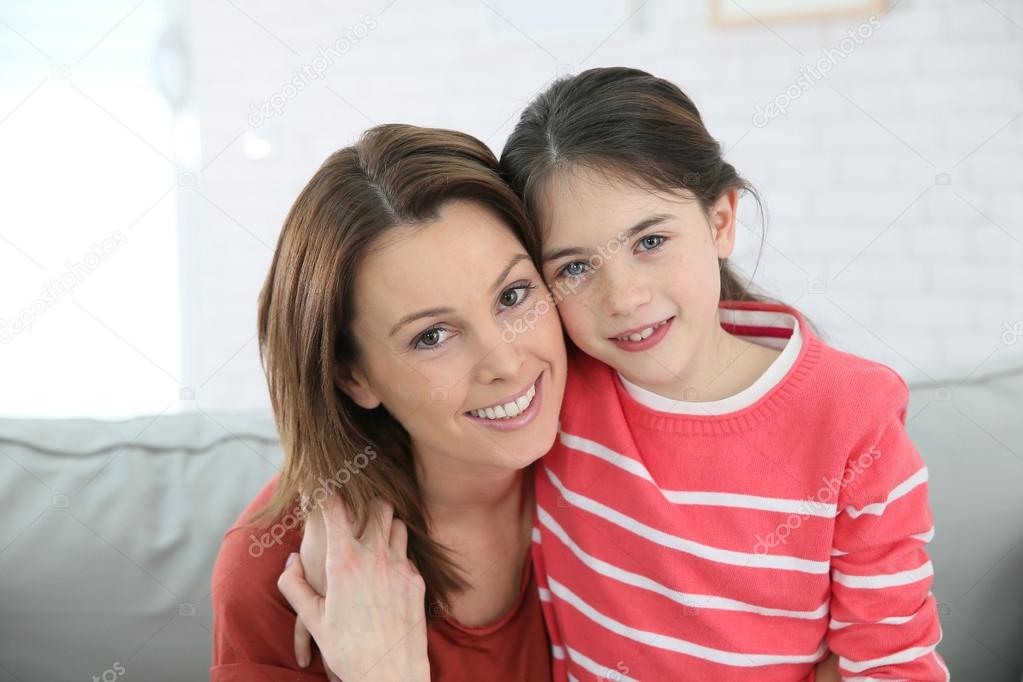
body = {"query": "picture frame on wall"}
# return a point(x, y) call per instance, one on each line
point(743, 12)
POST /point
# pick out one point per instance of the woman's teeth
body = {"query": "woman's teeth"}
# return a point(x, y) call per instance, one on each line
point(645, 334)
point(512, 409)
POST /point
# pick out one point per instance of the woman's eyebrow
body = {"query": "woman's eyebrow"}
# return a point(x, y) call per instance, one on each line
point(648, 222)
point(435, 312)
point(412, 317)
point(511, 264)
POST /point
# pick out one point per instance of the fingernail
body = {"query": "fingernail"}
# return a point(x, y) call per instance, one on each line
point(291, 558)
point(302, 661)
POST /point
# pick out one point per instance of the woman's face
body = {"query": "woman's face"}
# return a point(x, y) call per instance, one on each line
point(449, 329)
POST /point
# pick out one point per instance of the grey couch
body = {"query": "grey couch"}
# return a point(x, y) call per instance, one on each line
point(109, 531)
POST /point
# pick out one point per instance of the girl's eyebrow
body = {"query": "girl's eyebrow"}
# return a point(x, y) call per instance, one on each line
point(648, 222)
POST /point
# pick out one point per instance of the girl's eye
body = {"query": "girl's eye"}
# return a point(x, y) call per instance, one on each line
point(431, 338)
point(576, 268)
point(650, 242)
point(515, 295)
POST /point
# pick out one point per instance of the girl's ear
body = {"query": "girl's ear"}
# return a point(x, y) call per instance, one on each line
point(356, 386)
point(722, 219)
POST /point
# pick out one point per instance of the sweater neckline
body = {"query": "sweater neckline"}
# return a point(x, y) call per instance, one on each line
point(760, 327)
point(767, 399)
point(525, 579)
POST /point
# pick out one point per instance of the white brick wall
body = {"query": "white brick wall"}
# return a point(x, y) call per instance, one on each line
point(917, 274)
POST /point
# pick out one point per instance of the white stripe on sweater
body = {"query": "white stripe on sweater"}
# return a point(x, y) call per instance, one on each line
point(711, 553)
point(601, 671)
point(902, 489)
point(806, 507)
point(882, 580)
point(661, 641)
point(904, 656)
point(702, 601)
point(890, 620)
point(924, 537)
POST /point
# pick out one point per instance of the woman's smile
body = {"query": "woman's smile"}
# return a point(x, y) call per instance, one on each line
point(514, 413)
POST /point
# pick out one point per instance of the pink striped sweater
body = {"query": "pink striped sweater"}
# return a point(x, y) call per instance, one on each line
point(739, 539)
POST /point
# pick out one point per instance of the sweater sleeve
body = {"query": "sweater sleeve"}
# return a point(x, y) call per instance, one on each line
point(884, 620)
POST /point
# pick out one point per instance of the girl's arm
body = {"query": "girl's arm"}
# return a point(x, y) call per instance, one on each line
point(884, 619)
point(371, 620)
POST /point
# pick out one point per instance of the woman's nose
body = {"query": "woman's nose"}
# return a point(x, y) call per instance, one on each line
point(500, 356)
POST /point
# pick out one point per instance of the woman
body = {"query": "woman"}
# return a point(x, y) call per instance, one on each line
point(375, 399)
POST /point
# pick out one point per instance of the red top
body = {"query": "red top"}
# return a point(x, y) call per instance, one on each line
point(253, 624)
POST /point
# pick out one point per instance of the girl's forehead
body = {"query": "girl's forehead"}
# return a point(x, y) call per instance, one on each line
point(582, 195)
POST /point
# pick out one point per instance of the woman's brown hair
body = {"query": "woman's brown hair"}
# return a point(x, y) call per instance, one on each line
point(394, 175)
point(629, 124)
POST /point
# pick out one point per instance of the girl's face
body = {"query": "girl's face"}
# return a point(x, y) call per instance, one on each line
point(635, 273)
point(448, 324)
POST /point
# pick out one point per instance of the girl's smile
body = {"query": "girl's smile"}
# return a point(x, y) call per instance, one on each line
point(643, 337)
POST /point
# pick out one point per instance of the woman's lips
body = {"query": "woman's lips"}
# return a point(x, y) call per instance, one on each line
point(647, 343)
point(519, 420)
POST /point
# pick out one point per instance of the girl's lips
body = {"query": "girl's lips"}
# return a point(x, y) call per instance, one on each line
point(519, 420)
point(647, 343)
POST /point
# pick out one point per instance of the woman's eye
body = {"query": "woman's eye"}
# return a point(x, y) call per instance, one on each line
point(431, 338)
point(650, 242)
point(515, 295)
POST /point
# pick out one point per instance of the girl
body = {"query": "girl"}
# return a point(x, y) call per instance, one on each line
point(729, 496)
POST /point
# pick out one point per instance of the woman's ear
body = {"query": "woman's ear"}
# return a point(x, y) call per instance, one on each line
point(722, 218)
point(356, 386)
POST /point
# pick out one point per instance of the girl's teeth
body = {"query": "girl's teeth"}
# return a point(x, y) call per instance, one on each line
point(512, 409)
point(645, 334)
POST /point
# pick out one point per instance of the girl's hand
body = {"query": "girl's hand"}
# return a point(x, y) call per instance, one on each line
point(827, 670)
point(371, 619)
point(313, 558)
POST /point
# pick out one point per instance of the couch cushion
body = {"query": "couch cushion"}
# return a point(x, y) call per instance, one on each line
point(971, 436)
point(108, 538)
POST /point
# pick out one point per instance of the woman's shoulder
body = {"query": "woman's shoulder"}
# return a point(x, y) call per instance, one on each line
point(250, 549)
point(252, 622)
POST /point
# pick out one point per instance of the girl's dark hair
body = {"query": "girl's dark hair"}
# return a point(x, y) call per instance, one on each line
point(394, 175)
point(633, 125)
